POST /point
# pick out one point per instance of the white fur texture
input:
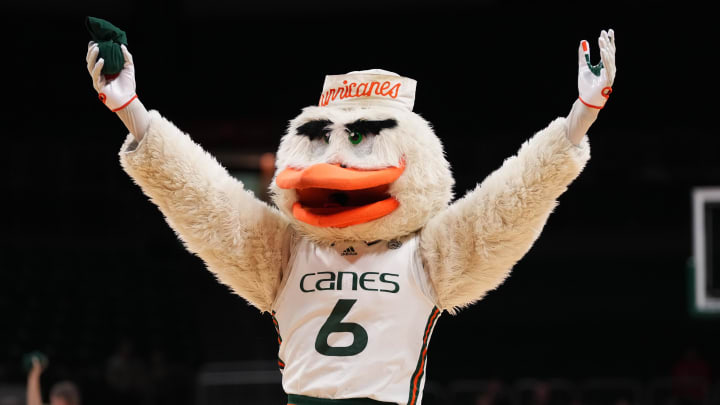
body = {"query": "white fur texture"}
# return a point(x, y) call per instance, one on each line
point(241, 239)
point(423, 190)
point(470, 248)
point(467, 248)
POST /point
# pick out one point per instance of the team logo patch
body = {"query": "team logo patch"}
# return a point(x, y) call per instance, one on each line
point(349, 252)
point(394, 244)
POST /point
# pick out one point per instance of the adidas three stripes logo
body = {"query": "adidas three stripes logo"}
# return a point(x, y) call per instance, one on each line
point(349, 252)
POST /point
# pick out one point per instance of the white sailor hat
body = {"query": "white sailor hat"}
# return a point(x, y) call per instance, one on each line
point(368, 88)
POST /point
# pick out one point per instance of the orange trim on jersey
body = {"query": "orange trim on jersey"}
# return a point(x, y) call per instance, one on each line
point(415, 387)
point(281, 363)
point(589, 105)
point(126, 104)
point(333, 176)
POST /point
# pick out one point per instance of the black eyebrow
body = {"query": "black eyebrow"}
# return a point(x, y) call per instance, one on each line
point(370, 127)
point(314, 129)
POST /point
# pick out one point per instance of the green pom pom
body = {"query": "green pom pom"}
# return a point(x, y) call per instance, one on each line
point(109, 38)
point(27, 360)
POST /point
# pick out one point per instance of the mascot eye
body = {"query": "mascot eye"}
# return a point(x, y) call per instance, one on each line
point(355, 137)
point(326, 137)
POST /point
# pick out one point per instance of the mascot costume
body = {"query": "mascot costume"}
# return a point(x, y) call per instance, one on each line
point(364, 249)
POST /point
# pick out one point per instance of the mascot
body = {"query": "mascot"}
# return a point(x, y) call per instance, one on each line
point(364, 249)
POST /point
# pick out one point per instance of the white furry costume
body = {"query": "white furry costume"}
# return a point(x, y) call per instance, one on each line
point(467, 248)
point(360, 169)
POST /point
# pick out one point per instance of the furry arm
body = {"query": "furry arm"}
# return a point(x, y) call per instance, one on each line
point(241, 239)
point(470, 248)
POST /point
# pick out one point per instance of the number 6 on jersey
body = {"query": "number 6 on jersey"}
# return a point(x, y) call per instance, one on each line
point(334, 324)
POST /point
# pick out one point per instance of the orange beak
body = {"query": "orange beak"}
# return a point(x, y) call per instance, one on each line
point(333, 196)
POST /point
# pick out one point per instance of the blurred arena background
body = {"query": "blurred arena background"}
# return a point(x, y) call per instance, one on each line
point(602, 310)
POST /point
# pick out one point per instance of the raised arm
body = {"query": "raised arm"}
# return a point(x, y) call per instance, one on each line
point(33, 395)
point(470, 248)
point(242, 240)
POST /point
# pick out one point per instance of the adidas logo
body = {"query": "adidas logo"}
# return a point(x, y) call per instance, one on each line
point(349, 252)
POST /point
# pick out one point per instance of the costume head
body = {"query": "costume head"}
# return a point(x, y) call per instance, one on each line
point(361, 165)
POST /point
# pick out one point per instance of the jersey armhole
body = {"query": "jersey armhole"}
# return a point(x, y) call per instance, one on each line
point(290, 252)
point(419, 274)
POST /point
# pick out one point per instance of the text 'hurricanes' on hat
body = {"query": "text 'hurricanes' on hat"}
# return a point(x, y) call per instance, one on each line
point(368, 88)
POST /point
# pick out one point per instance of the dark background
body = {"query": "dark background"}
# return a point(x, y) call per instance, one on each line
point(87, 262)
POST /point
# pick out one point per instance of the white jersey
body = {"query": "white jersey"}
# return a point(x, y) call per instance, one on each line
point(354, 321)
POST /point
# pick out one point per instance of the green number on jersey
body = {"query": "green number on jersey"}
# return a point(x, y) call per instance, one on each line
point(334, 324)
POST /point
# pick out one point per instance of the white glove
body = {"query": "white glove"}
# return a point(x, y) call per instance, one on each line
point(115, 93)
point(595, 82)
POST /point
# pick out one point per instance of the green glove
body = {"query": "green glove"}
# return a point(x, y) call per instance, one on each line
point(108, 37)
point(27, 360)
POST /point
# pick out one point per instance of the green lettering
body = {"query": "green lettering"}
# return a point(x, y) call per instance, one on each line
point(334, 324)
point(364, 279)
point(384, 279)
point(302, 280)
point(331, 281)
point(340, 277)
